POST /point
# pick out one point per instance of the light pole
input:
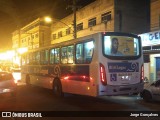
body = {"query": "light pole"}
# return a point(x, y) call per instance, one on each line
point(75, 24)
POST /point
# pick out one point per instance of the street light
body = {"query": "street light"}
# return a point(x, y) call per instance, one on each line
point(48, 19)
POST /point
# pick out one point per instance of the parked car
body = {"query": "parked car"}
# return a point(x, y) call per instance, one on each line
point(7, 83)
point(151, 91)
point(16, 74)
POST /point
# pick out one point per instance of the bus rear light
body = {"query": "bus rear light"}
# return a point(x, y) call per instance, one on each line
point(142, 73)
point(103, 74)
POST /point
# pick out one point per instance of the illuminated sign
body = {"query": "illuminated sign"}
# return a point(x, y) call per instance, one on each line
point(151, 38)
point(123, 67)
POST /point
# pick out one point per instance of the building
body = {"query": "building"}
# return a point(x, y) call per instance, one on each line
point(104, 15)
point(100, 16)
point(34, 35)
point(151, 44)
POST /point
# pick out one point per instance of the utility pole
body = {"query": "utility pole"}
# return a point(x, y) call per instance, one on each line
point(74, 7)
point(75, 24)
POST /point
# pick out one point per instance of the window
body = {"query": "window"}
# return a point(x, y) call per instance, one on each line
point(36, 35)
point(54, 56)
point(64, 55)
point(106, 17)
point(68, 31)
point(53, 36)
point(57, 55)
point(28, 38)
point(92, 22)
point(84, 52)
point(32, 36)
point(80, 27)
point(88, 51)
point(79, 53)
point(67, 54)
point(44, 57)
point(121, 46)
point(36, 58)
point(23, 40)
point(70, 54)
point(59, 34)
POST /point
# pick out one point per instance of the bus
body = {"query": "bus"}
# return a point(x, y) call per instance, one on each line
point(101, 64)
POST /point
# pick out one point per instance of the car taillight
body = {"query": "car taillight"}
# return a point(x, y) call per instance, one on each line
point(103, 74)
point(142, 74)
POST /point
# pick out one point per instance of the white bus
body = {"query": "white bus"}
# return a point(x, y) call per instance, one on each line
point(108, 63)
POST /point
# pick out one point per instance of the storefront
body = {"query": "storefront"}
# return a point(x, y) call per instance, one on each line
point(151, 50)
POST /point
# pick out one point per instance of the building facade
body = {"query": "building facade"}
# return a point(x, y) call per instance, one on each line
point(34, 35)
point(100, 16)
point(151, 44)
point(104, 15)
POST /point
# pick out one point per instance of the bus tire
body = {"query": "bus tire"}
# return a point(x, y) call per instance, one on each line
point(147, 96)
point(57, 88)
point(28, 80)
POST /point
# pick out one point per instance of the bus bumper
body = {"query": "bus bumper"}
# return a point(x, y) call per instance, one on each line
point(122, 90)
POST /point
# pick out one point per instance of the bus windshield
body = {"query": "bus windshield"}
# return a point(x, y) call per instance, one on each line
point(121, 46)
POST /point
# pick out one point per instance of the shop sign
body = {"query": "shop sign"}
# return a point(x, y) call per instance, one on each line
point(151, 38)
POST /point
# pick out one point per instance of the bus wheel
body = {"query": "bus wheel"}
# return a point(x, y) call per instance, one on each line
point(57, 88)
point(27, 80)
point(147, 96)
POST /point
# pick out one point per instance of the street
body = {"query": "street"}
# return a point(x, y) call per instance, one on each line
point(85, 47)
point(42, 100)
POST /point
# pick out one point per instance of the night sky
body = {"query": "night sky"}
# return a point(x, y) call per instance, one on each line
point(15, 14)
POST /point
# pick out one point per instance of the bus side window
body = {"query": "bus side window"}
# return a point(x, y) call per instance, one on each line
point(70, 53)
point(84, 52)
point(30, 59)
point(33, 58)
point(79, 53)
point(44, 57)
point(57, 58)
point(64, 55)
point(37, 57)
point(52, 52)
point(88, 51)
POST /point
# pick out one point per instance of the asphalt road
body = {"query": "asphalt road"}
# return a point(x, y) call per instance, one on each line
point(35, 99)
